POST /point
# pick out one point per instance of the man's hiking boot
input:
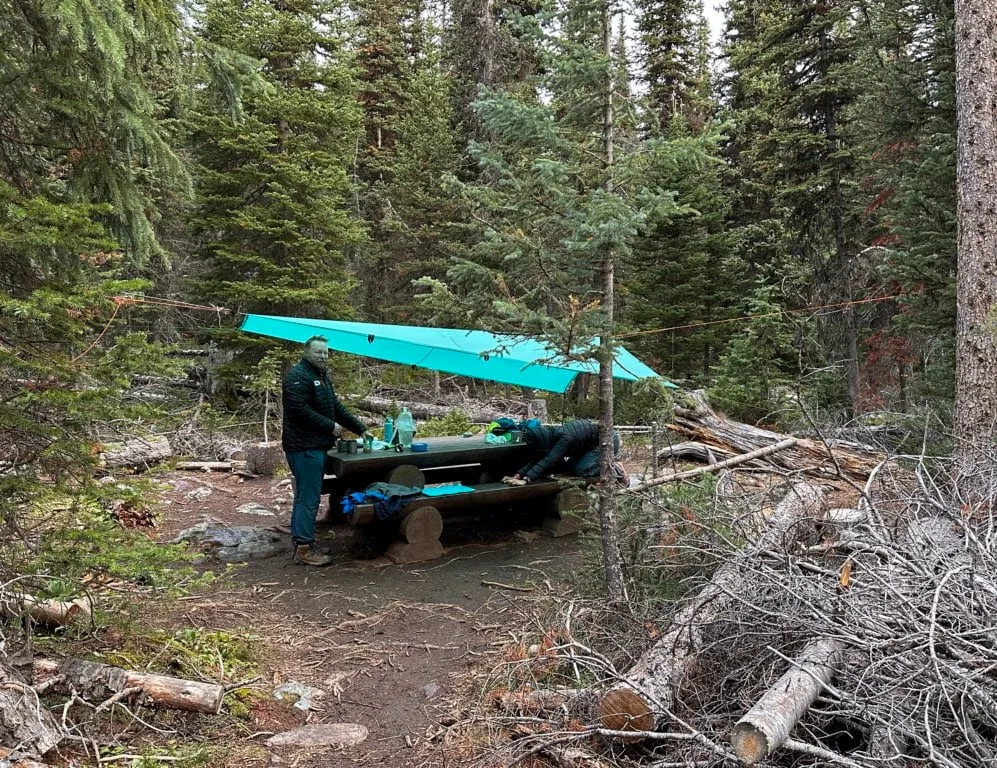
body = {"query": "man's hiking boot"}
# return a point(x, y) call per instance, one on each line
point(304, 554)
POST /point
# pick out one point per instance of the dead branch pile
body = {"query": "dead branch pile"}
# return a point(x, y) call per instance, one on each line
point(866, 643)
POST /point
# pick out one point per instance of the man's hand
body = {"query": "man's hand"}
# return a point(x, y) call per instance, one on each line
point(515, 480)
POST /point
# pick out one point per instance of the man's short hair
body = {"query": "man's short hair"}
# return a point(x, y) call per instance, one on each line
point(313, 339)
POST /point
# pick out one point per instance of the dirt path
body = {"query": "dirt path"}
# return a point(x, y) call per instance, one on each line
point(390, 644)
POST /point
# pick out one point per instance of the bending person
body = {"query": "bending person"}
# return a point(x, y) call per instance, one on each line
point(570, 449)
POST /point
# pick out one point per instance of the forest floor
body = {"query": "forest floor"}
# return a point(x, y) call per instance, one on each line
point(396, 648)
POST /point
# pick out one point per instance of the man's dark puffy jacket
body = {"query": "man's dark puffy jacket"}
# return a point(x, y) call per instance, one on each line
point(571, 440)
point(311, 410)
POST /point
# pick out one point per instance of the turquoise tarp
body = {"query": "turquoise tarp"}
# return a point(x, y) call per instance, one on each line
point(517, 360)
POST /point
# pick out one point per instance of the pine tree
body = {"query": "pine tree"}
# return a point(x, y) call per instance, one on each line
point(907, 119)
point(275, 200)
point(409, 148)
point(794, 69)
point(675, 56)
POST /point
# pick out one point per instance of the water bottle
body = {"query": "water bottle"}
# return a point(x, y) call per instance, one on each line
point(406, 428)
point(389, 430)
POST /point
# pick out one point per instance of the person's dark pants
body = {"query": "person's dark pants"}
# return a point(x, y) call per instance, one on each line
point(587, 465)
point(308, 468)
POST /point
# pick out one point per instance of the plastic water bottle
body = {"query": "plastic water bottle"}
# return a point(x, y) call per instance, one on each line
point(389, 430)
point(406, 428)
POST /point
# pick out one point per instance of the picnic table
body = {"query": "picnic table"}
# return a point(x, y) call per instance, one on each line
point(470, 463)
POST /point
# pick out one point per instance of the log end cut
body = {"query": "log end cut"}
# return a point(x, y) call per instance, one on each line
point(749, 743)
point(625, 710)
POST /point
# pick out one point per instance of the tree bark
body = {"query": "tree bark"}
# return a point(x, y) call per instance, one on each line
point(789, 442)
point(612, 557)
point(23, 720)
point(976, 213)
point(768, 724)
point(264, 458)
point(642, 701)
point(101, 681)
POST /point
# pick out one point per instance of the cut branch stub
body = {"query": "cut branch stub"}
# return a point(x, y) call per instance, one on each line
point(625, 710)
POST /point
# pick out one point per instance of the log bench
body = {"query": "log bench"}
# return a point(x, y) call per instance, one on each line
point(419, 525)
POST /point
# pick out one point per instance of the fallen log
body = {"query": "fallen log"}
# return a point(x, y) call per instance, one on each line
point(696, 420)
point(206, 466)
point(643, 699)
point(100, 681)
point(137, 452)
point(475, 413)
point(767, 725)
point(789, 442)
point(55, 613)
point(23, 720)
point(689, 449)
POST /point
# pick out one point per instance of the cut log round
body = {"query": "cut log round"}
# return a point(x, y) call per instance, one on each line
point(264, 458)
point(649, 688)
point(625, 710)
point(93, 680)
point(406, 474)
point(421, 525)
point(768, 724)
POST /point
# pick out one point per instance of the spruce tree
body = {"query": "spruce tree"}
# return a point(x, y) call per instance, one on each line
point(275, 207)
point(791, 67)
point(409, 146)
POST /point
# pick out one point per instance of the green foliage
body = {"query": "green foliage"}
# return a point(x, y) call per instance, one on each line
point(454, 423)
point(273, 212)
point(754, 373)
point(642, 402)
point(81, 541)
point(81, 124)
point(174, 756)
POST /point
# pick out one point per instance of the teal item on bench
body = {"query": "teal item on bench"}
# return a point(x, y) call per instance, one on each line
point(446, 490)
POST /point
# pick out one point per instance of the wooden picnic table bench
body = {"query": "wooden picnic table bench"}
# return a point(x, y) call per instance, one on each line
point(448, 458)
point(418, 527)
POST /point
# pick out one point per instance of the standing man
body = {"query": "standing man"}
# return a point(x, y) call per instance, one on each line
point(311, 411)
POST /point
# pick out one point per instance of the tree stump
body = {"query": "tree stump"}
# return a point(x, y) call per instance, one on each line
point(264, 458)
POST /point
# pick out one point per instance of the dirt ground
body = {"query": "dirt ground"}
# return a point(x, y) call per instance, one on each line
point(393, 646)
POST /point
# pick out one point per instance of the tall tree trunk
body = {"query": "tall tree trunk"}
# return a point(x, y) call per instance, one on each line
point(611, 554)
point(976, 210)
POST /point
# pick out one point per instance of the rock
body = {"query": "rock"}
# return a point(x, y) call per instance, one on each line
point(252, 508)
point(430, 690)
point(235, 544)
point(321, 735)
point(306, 694)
